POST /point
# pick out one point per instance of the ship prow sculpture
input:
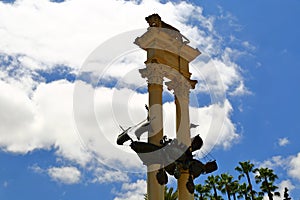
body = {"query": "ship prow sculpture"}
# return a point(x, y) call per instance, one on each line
point(172, 156)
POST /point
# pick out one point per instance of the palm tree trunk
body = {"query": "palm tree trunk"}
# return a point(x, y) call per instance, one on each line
point(246, 196)
point(201, 196)
point(228, 194)
point(250, 186)
point(270, 195)
point(215, 192)
point(234, 197)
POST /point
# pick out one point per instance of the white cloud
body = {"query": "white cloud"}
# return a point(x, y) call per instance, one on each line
point(240, 90)
point(281, 187)
point(61, 33)
point(294, 167)
point(66, 33)
point(248, 45)
point(69, 31)
point(283, 141)
point(291, 166)
point(126, 107)
point(17, 116)
point(42, 122)
point(37, 169)
point(49, 121)
point(13, 72)
point(275, 161)
point(132, 191)
point(108, 176)
point(219, 77)
point(66, 175)
point(215, 126)
point(54, 37)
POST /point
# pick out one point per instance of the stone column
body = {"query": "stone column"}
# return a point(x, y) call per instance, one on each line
point(181, 87)
point(153, 72)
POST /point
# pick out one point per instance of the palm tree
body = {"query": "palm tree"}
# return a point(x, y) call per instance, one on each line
point(169, 194)
point(245, 169)
point(202, 192)
point(224, 184)
point(211, 182)
point(243, 191)
point(234, 188)
point(267, 177)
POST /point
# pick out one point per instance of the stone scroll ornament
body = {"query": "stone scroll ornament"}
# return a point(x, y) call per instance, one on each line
point(172, 156)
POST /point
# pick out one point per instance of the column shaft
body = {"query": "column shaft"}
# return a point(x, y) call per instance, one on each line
point(183, 136)
point(155, 113)
point(155, 191)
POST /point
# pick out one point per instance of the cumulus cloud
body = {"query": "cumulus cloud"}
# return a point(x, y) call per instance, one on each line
point(13, 72)
point(17, 115)
point(281, 187)
point(107, 176)
point(132, 191)
point(290, 165)
point(62, 33)
point(215, 126)
point(219, 77)
point(45, 115)
point(50, 122)
point(42, 122)
point(66, 175)
point(283, 141)
point(125, 107)
point(67, 32)
point(275, 161)
point(294, 167)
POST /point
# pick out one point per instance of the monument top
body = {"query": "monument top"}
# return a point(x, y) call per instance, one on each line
point(154, 20)
point(162, 36)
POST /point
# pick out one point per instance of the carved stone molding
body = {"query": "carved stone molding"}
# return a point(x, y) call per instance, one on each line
point(181, 87)
point(153, 72)
point(155, 38)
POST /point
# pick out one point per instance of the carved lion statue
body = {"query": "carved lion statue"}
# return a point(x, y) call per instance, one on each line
point(154, 20)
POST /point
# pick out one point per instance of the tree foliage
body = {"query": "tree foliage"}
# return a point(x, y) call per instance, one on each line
point(245, 168)
point(242, 187)
point(225, 184)
point(266, 178)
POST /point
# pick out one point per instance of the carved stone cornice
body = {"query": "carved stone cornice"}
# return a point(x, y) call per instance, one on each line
point(155, 38)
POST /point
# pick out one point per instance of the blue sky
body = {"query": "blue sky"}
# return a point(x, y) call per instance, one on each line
point(51, 147)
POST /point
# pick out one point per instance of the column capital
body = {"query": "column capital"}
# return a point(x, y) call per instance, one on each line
point(181, 87)
point(153, 72)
